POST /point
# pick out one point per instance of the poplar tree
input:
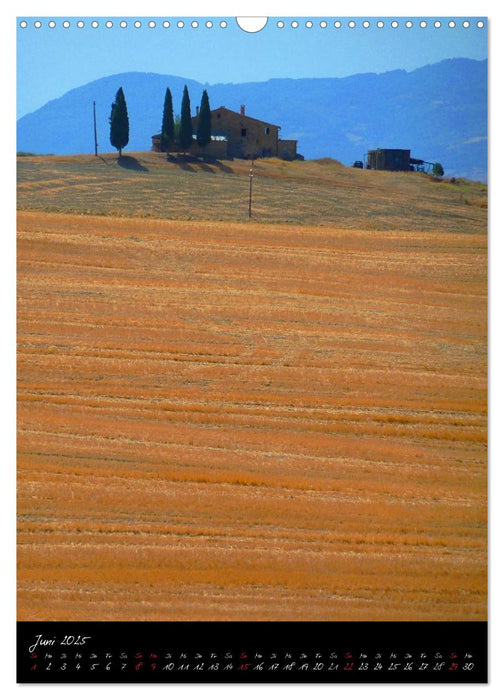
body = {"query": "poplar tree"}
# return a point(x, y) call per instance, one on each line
point(204, 129)
point(119, 123)
point(168, 127)
point(186, 130)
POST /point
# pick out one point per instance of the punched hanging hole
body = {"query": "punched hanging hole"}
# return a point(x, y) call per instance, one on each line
point(252, 24)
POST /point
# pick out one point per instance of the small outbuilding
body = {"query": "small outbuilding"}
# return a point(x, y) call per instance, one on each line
point(389, 159)
point(395, 159)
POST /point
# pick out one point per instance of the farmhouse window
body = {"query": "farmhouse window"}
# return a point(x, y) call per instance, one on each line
point(266, 130)
point(244, 132)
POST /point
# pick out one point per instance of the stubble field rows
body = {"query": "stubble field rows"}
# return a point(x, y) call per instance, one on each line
point(233, 421)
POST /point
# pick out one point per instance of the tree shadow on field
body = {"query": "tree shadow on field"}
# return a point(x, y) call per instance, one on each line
point(184, 162)
point(219, 164)
point(130, 163)
point(206, 168)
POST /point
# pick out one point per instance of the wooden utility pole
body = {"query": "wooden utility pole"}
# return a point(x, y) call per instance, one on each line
point(251, 177)
point(94, 125)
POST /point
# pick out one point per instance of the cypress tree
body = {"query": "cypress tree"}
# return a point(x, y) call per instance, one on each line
point(119, 123)
point(168, 127)
point(186, 130)
point(204, 122)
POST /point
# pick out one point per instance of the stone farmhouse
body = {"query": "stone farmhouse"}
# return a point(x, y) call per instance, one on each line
point(236, 135)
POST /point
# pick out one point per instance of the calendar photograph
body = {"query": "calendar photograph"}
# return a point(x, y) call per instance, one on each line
point(251, 348)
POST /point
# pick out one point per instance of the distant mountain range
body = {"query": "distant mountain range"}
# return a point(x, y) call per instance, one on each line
point(439, 112)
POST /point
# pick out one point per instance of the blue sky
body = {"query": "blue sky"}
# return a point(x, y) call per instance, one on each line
point(53, 60)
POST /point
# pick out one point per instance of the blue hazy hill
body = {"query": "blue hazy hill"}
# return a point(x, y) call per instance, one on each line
point(439, 112)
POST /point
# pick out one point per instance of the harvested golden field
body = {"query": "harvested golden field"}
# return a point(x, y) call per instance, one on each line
point(237, 421)
point(322, 192)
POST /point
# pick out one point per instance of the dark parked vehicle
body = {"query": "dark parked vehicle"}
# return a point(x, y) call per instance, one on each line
point(358, 164)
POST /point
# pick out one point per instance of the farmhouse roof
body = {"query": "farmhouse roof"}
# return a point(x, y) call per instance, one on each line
point(243, 116)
